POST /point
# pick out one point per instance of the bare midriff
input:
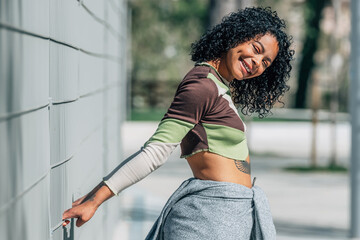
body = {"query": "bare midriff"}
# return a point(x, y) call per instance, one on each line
point(211, 166)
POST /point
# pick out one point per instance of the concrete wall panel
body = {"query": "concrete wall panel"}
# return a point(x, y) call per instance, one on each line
point(113, 153)
point(90, 117)
point(64, 73)
point(11, 160)
point(112, 101)
point(64, 21)
point(112, 125)
point(60, 111)
point(25, 154)
point(90, 74)
point(113, 46)
point(113, 72)
point(96, 7)
point(91, 28)
point(63, 140)
point(86, 168)
point(32, 16)
point(27, 216)
point(5, 165)
point(72, 123)
point(114, 21)
point(24, 72)
point(59, 194)
point(35, 146)
point(113, 14)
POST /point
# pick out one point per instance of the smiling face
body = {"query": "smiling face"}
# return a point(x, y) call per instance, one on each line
point(249, 59)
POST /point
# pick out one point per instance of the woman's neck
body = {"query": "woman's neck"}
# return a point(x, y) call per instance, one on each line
point(217, 66)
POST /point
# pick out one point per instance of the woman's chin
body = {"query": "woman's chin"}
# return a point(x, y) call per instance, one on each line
point(240, 77)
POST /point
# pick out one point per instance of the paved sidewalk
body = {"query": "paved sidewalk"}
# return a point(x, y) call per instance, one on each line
point(304, 205)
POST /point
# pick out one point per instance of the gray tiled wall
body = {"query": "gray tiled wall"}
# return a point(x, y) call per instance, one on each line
point(62, 99)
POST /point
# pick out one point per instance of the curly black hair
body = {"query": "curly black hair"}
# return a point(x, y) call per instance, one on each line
point(257, 94)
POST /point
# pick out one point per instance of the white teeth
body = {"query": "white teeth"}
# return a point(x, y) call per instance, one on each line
point(246, 67)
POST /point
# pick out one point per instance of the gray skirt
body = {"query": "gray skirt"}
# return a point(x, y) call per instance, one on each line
point(202, 209)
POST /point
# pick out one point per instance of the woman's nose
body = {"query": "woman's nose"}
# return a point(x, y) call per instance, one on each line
point(256, 62)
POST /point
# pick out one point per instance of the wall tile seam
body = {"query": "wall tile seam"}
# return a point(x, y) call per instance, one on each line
point(99, 20)
point(11, 115)
point(100, 55)
point(58, 164)
point(65, 101)
point(89, 94)
point(20, 195)
point(103, 89)
point(113, 58)
point(107, 25)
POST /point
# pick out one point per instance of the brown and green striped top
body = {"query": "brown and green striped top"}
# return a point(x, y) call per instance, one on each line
point(203, 117)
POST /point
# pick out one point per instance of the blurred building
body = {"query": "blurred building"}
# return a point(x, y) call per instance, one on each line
point(62, 99)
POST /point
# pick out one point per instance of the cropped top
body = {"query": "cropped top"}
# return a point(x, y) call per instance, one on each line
point(202, 117)
point(203, 109)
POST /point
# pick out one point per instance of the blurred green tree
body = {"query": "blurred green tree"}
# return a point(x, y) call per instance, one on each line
point(312, 12)
point(161, 35)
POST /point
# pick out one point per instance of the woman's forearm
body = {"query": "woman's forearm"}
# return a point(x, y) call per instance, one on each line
point(99, 195)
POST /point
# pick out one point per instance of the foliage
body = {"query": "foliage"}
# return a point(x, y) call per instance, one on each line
point(313, 10)
point(147, 114)
point(162, 31)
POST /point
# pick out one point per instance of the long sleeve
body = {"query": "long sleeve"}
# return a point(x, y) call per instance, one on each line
point(193, 99)
point(138, 166)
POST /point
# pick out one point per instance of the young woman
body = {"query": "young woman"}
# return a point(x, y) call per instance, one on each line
point(242, 62)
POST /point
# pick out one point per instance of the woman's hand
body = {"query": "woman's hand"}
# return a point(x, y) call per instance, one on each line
point(82, 211)
point(84, 208)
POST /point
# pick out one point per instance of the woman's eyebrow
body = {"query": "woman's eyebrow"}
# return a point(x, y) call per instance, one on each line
point(262, 46)
point(263, 50)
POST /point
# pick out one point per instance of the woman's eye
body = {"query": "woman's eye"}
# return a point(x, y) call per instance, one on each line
point(256, 49)
point(265, 65)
